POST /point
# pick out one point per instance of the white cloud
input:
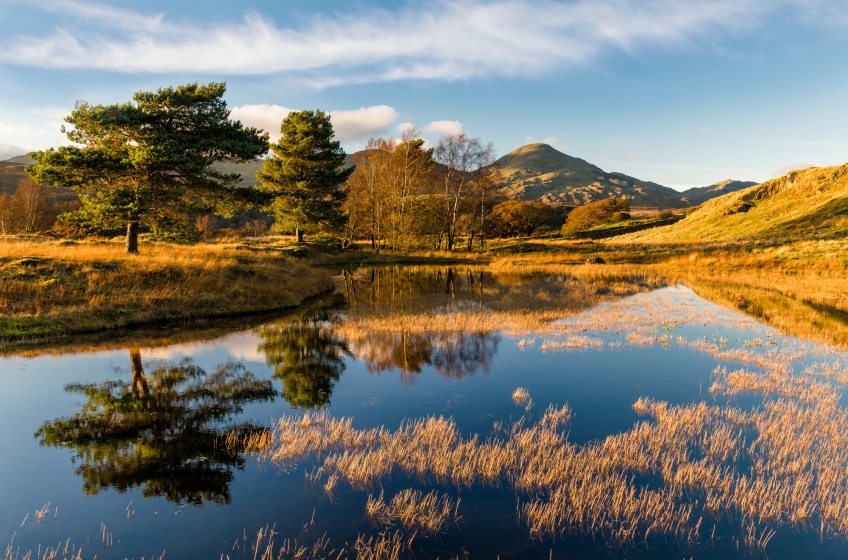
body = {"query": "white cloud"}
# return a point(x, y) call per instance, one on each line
point(404, 126)
point(791, 167)
point(264, 116)
point(364, 123)
point(443, 127)
point(12, 130)
point(439, 40)
point(11, 150)
point(350, 126)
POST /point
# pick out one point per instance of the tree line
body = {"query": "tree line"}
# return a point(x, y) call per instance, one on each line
point(147, 165)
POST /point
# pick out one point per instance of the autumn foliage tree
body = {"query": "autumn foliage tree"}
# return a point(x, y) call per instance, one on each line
point(30, 209)
point(150, 160)
point(384, 191)
point(519, 217)
point(465, 166)
point(594, 214)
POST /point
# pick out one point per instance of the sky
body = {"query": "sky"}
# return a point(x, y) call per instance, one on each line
point(683, 93)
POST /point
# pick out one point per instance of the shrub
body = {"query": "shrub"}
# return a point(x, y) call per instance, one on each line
point(606, 211)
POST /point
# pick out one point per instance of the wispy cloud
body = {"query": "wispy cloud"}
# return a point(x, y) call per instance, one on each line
point(438, 40)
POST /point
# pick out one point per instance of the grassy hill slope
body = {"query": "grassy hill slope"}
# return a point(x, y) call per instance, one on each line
point(539, 172)
point(810, 203)
point(698, 195)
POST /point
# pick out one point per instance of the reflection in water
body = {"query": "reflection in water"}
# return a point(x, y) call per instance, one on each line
point(307, 358)
point(451, 354)
point(161, 431)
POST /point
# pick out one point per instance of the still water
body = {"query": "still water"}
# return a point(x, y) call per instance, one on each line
point(118, 446)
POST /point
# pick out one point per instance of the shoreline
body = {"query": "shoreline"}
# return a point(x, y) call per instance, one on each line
point(92, 288)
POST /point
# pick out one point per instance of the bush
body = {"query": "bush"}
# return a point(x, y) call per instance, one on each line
point(606, 211)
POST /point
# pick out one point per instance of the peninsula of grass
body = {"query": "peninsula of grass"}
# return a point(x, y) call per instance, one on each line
point(50, 288)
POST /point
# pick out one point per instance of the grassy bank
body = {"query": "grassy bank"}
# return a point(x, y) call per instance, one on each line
point(50, 288)
point(54, 288)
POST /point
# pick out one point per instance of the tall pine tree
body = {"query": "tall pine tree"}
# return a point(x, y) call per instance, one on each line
point(306, 174)
point(150, 160)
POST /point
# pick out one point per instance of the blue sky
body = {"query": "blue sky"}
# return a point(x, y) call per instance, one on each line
point(683, 93)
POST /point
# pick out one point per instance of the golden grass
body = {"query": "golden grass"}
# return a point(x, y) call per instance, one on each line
point(782, 463)
point(388, 545)
point(806, 203)
point(49, 288)
point(414, 510)
point(797, 286)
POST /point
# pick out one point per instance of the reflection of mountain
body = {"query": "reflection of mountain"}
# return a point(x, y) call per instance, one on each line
point(162, 431)
point(306, 357)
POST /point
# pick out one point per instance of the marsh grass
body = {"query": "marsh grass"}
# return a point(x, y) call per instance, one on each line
point(779, 464)
point(388, 545)
point(415, 510)
point(48, 288)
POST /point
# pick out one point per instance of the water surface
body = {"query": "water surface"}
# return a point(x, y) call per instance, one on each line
point(129, 435)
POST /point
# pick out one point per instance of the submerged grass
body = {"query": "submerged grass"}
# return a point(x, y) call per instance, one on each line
point(778, 464)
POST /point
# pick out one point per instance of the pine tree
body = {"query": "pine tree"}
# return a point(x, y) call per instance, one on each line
point(306, 173)
point(150, 160)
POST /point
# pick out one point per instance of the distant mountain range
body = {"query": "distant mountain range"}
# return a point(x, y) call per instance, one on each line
point(540, 172)
point(532, 172)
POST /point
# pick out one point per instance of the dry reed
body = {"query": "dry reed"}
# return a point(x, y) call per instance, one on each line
point(416, 511)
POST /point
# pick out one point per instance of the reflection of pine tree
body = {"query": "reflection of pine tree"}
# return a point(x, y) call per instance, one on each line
point(307, 358)
point(162, 432)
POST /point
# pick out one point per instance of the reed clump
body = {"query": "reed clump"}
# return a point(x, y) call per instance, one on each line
point(388, 545)
point(415, 511)
point(581, 492)
point(781, 463)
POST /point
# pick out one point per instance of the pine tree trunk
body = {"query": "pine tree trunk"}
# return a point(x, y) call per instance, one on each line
point(132, 238)
point(299, 234)
point(139, 381)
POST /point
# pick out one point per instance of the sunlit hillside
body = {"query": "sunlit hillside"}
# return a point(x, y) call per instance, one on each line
point(803, 204)
point(540, 172)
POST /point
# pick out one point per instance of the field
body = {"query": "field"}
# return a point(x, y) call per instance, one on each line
point(56, 288)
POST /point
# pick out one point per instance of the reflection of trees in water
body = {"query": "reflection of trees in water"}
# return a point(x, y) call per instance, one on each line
point(161, 431)
point(450, 355)
point(307, 358)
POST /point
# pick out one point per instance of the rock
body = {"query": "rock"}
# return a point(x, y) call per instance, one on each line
point(596, 260)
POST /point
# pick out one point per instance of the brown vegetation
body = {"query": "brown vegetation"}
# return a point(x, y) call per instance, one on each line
point(608, 211)
point(51, 288)
point(416, 511)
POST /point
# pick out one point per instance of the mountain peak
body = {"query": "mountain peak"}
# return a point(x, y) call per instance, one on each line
point(541, 172)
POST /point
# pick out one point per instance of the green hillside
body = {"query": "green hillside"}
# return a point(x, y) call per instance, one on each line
point(811, 203)
point(540, 172)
